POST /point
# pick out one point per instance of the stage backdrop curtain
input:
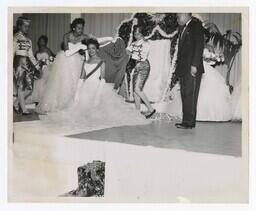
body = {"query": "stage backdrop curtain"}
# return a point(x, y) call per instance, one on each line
point(103, 24)
point(52, 25)
point(226, 21)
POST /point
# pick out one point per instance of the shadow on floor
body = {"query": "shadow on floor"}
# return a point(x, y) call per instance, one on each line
point(207, 137)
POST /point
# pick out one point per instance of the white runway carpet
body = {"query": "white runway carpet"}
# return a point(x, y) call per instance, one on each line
point(43, 166)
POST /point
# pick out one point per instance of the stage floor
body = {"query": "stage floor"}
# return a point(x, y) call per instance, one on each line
point(146, 163)
point(207, 137)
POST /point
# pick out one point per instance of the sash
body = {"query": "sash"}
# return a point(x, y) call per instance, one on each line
point(94, 70)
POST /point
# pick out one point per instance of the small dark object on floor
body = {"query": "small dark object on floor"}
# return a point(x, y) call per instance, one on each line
point(91, 180)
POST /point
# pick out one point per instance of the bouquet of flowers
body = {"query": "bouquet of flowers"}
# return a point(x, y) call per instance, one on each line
point(213, 58)
point(45, 62)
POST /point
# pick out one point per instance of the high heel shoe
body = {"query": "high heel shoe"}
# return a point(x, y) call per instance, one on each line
point(17, 109)
point(150, 114)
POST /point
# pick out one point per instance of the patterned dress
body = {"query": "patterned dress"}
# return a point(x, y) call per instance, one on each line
point(138, 67)
point(25, 75)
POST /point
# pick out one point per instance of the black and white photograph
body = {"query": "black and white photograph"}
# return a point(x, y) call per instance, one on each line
point(128, 105)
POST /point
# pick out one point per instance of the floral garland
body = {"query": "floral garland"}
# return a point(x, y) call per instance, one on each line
point(125, 28)
point(171, 71)
point(163, 23)
point(164, 34)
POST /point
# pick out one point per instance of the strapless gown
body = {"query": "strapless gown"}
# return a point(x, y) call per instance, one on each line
point(62, 81)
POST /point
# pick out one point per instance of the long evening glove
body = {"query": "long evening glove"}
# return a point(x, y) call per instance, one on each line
point(78, 88)
point(75, 48)
point(104, 40)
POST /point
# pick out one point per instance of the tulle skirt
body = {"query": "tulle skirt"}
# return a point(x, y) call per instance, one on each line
point(214, 100)
point(62, 81)
point(99, 106)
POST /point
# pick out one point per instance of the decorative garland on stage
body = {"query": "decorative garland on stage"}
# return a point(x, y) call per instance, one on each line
point(156, 26)
point(169, 85)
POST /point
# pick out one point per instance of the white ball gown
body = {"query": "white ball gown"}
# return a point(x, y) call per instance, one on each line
point(62, 81)
point(214, 100)
point(98, 106)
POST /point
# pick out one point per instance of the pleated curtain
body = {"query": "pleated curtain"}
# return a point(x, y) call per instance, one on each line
point(103, 24)
point(52, 25)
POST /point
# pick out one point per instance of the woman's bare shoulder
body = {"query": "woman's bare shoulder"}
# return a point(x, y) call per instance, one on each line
point(67, 35)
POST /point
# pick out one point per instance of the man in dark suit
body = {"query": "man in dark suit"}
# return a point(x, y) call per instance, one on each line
point(189, 67)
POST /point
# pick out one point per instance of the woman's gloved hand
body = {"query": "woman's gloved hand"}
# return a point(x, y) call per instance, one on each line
point(75, 48)
point(78, 88)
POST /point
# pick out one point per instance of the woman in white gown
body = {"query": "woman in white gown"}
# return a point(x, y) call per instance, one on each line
point(46, 57)
point(66, 69)
point(214, 100)
point(95, 104)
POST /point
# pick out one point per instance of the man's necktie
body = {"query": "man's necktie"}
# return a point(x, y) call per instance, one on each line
point(181, 29)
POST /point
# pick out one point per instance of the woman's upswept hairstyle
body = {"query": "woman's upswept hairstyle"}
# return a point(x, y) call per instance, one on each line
point(91, 42)
point(75, 22)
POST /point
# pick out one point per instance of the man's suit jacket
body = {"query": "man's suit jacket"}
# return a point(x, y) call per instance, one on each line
point(190, 49)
